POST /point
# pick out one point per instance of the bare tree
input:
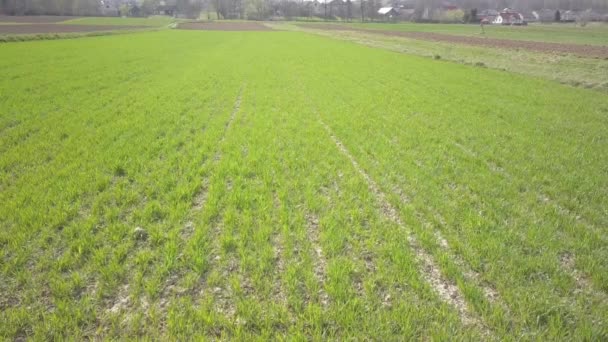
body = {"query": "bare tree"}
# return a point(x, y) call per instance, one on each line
point(349, 10)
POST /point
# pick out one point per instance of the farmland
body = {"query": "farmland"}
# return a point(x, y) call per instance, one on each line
point(240, 185)
point(568, 63)
point(152, 21)
point(594, 34)
point(13, 28)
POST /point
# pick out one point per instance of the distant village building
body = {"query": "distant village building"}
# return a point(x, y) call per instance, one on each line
point(448, 6)
point(544, 15)
point(389, 13)
point(509, 17)
point(109, 8)
point(407, 13)
point(166, 10)
point(529, 17)
point(487, 15)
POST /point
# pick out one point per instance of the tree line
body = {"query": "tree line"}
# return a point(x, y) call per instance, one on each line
point(264, 9)
point(50, 7)
point(532, 5)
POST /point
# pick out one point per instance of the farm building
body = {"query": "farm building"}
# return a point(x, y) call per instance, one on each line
point(544, 15)
point(448, 6)
point(577, 16)
point(388, 12)
point(109, 8)
point(529, 17)
point(406, 13)
point(166, 10)
point(509, 17)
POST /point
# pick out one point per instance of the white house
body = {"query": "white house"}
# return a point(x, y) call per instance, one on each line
point(388, 12)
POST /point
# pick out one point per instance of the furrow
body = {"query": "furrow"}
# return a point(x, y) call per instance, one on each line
point(489, 292)
point(318, 259)
point(201, 196)
point(235, 110)
point(278, 248)
point(223, 297)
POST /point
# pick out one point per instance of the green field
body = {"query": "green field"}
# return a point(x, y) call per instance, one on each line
point(595, 34)
point(176, 185)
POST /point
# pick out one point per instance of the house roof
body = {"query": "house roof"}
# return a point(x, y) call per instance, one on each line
point(385, 10)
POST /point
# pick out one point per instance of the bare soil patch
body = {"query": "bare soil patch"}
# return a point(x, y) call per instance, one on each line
point(38, 19)
point(225, 26)
point(581, 50)
point(58, 28)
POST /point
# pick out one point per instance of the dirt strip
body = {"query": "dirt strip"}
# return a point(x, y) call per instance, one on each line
point(224, 26)
point(35, 19)
point(446, 290)
point(59, 28)
point(582, 50)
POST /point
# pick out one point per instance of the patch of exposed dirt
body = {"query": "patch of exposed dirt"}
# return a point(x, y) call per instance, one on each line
point(59, 28)
point(42, 19)
point(567, 263)
point(121, 302)
point(582, 50)
point(224, 26)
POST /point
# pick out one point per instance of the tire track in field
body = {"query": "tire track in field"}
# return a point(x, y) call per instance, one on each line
point(201, 196)
point(170, 286)
point(223, 297)
point(544, 199)
point(447, 291)
point(366, 257)
point(490, 293)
